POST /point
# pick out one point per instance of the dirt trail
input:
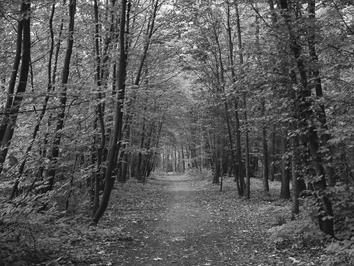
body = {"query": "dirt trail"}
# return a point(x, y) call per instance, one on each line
point(199, 226)
point(174, 220)
point(184, 215)
point(194, 231)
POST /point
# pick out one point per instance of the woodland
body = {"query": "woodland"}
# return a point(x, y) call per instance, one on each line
point(99, 96)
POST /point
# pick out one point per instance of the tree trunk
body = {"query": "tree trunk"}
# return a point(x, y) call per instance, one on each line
point(285, 169)
point(238, 126)
point(182, 158)
point(44, 107)
point(129, 116)
point(317, 84)
point(140, 155)
point(306, 114)
point(273, 157)
point(63, 98)
point(99, 113)
point(247, 151)
point(233, 158)
point(11, 89)
point(265, 153)
point(13, 102)
point(296, 187)
point(217, 169)
point(117, 134)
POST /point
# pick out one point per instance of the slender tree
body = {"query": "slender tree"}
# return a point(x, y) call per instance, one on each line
point(307, 114)
point(44, 106)
point(14, 100)
point(118, 122)
point(63, 96)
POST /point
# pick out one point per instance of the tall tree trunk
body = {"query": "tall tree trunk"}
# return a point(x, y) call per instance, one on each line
point(99, 114)
point(13, 102)
point(285, 168)
point(317, 84)
point(247, 151)
point(306, 114)
point(235, 159)
point(140, 154)
point(17, 60)
point(296, 187)
point(273, 156)
point(265, 152)
point(238, 125)
point(129, 116)
point(44, 107)
point(182, 159)
point(118, 123)
point(63, 97)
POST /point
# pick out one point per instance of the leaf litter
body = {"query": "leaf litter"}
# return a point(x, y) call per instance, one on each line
point(170, 220)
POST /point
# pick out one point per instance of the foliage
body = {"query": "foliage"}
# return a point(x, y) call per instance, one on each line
point(206, 83)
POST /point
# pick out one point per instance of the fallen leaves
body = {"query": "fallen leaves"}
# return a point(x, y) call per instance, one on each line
point(179, 220)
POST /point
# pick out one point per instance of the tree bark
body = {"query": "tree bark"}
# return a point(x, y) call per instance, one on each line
point(13, 102)
point(117, 134)
point(63, 97)
point(129, 116)
point(265, 153)
point(296, 187)
point(182, 158)
point(273, 156)
point(285, 168)
point(16, 65)
point(247, 151)
point(317, 84)
point(306, 114)
point(44, 107)
point(238, 125)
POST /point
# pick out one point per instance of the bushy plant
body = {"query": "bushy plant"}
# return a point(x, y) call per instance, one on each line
point(297, 233)
point(343, 252)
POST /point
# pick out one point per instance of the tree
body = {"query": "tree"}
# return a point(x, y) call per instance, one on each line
point(306, 113)
point(118, 123)
point(14, 99)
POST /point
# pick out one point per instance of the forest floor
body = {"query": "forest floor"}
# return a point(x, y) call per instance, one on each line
point(170, 220)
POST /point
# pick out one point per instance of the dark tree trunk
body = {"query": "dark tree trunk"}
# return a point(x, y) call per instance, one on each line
point(238, 125)
point(44, 107)
point(13, 102)
point(217, 170)
point(296, 186)
point(239, 171)
point(63, 97)
point(99, 115)
point(317, 84)
point(265, 153)
point(273, 157)
point(183, 162)
point(123, 164)
point(140, 155)
point(285, 168)
point(118, 123)
point(247, 151)
point(306, 114)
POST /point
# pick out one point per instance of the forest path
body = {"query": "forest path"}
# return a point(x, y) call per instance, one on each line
point(172, 219)
point(198, 225)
